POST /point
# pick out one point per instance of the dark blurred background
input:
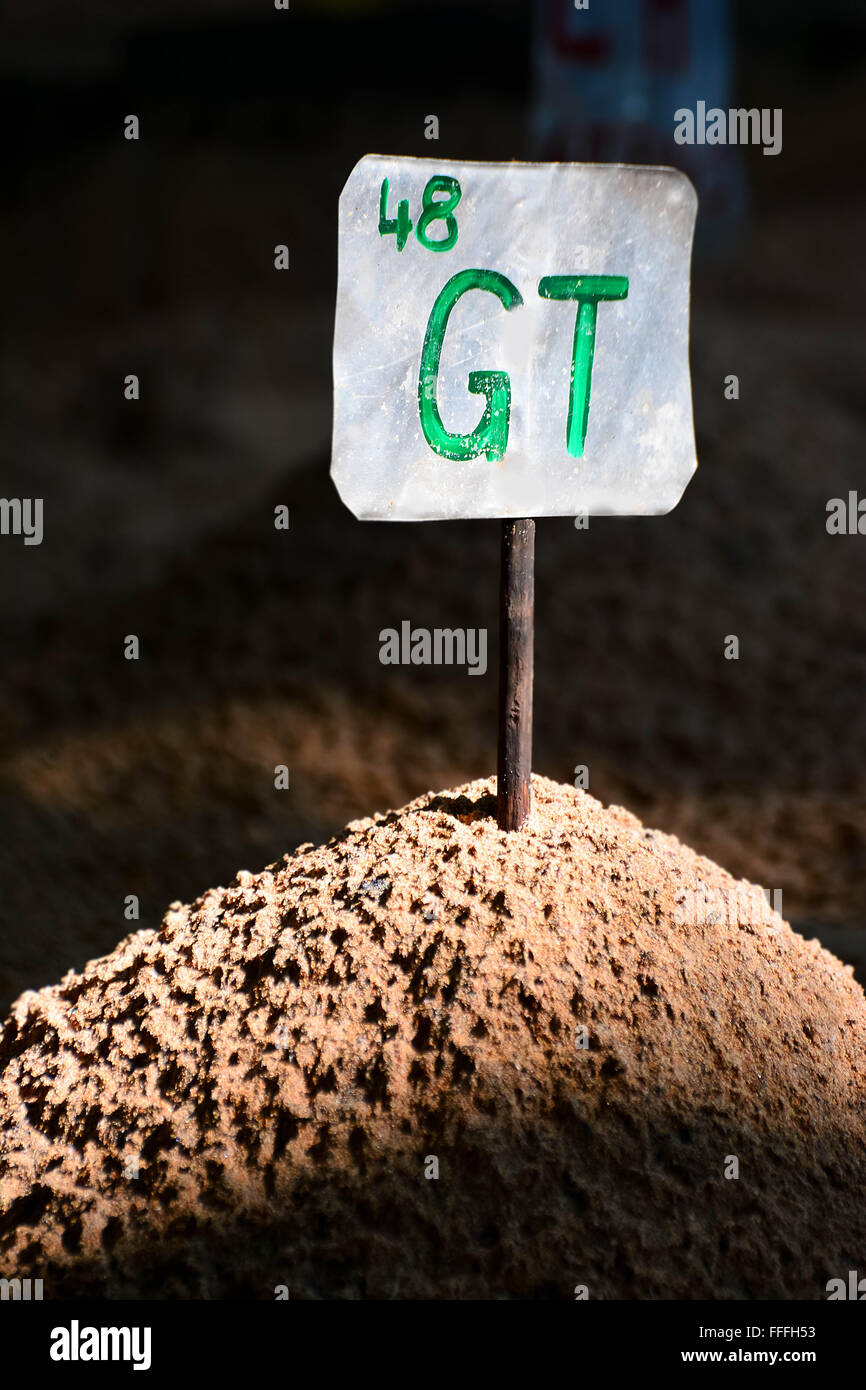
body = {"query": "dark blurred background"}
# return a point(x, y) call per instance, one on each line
point(259, 647)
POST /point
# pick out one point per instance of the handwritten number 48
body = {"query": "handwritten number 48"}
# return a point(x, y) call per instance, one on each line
point(432, 210)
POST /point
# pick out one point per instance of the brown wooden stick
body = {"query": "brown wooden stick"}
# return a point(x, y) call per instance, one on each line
point(516, 622)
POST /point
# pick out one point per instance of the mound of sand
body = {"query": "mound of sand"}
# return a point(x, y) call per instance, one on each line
point(261, 1092)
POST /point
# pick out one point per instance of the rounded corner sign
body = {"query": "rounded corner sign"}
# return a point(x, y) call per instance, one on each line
point(512, 340)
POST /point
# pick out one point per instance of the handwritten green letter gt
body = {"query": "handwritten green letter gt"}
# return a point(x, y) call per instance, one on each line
point(490, 435)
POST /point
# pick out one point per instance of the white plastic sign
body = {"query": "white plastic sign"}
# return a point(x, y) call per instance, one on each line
point(511, 340)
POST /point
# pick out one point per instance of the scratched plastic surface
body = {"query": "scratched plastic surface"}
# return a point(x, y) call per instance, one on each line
point(559, 422)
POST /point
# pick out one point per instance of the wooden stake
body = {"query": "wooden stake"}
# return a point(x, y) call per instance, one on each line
point(516, 625)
